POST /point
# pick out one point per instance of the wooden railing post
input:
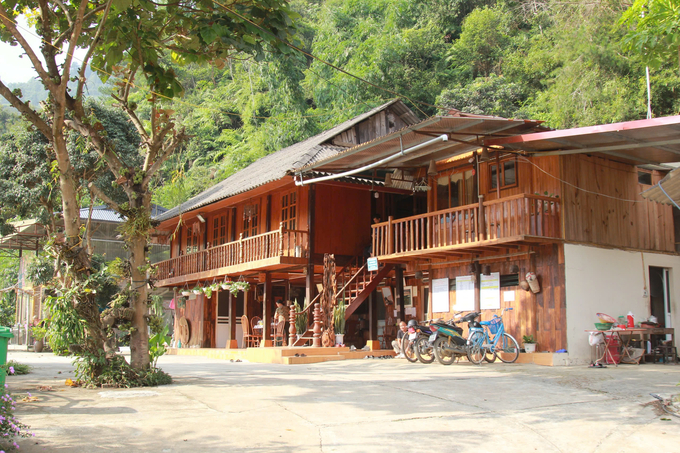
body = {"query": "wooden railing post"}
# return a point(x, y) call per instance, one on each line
point(390, 236)
point(316, 338)
point(481, 222)
point(281, 239)
point(240, 248)
point(291, 320)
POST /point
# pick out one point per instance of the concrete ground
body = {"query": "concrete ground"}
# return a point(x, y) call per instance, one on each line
point(353, 406)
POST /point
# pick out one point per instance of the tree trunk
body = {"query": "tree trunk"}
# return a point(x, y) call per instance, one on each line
point(139, 337)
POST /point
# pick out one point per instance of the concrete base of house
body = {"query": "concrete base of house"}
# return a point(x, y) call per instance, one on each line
point(282, 355)
point(551, 359)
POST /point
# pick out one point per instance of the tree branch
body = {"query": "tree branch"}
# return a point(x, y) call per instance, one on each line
point(102, 196)
point(23, 108)
point(35, 61)
point(176, 140)
point(90, 51)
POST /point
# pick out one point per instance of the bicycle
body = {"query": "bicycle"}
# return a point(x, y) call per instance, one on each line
point(501, 345)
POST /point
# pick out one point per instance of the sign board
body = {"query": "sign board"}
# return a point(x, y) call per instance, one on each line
point(465, 293)
point(490, 291)
point(372, 264)
point(440, 295)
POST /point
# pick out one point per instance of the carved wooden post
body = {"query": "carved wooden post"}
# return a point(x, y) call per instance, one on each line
point(291, 329)
point(481, 220)
point(316, 342)
point(240, 248)
point(281, 239)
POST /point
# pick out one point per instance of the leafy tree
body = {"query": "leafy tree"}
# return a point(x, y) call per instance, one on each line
point(9, 272)
point(493, 95)
point(127, 39)
point(654, 30)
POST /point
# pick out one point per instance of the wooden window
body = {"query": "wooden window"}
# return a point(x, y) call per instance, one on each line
point(289, 211)
point(644, 177)
point(250, 220)
point(192, 241)
point(508, 175)
point(457, 189)
point(219, 230)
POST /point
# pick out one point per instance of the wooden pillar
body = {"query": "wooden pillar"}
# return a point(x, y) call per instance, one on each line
point(232, 342)
point(268, 223)
point(399, 299)
point(266, 310)
point(309, 281)
point(316, 337)
point(373, 342)
point(481, 221)
point(477, 275)
point(291, 320)
point(233, 226)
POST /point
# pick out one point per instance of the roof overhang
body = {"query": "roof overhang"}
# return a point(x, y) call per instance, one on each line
point(654, 141)
point(465, 134)
point(26, 237)
point(667, 191)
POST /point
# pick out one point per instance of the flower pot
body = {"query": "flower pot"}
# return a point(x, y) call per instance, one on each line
point(186, 293)
point(529, 347)
point(339, 337)
point(38, 345)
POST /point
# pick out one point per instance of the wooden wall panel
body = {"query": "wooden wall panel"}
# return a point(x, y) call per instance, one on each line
point(343, 220)
point(209, 322)
point(539, 176)
point(596, 209)
point(542, 315)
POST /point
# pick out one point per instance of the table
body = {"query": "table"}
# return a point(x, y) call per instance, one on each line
point(617, 333)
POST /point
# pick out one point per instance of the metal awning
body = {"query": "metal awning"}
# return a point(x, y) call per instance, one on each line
point(654, 141)
point(667, 191)
point(465, 133)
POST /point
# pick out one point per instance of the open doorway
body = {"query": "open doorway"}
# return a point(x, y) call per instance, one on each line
point(660, 295)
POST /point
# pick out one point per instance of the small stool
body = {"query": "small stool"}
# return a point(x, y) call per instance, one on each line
point(666, 353)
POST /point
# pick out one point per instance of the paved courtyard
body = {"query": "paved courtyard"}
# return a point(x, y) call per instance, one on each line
point(353, 406)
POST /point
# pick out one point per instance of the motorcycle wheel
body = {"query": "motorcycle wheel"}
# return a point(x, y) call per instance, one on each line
point(507, 348)
point(424, 350)
point(475, 352)
point(408, 348)
point(443, 356)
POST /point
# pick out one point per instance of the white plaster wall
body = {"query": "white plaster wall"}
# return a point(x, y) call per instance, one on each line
point(609, 281)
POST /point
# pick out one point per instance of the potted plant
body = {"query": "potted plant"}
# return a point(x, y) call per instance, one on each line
point(300, 320)
point(186, 292)
point(339, 322)
point(197, 289)
point(39, 334)
point(208, 290)
point(529, 343)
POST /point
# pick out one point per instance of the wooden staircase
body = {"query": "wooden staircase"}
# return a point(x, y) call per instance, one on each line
point(355, 283)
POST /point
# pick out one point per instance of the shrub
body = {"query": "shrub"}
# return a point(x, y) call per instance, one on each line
point(10, 427)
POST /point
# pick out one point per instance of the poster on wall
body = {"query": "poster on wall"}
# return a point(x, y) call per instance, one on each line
point(465, 293)
point(490, 291)
point(440, 295)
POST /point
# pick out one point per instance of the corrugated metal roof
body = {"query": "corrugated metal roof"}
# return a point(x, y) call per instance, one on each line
point(465, 133)
point(654, 141)
point(671, 187)
point(281, 163)
point(105, 214)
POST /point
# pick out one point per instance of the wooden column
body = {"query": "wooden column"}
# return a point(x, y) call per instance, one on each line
point(266, 311)
point(477, 275)
point(399, 299)
point(232, 342)
point(481, 221)
point(311, 210)
point(373, 342)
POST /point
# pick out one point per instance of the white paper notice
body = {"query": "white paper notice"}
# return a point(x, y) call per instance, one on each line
point(410, 311)
point(508, 296)
point(465, 293)
point(490, 291)
point(440, 295)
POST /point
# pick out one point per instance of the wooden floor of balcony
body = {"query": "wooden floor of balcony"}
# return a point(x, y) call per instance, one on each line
point(276, 263)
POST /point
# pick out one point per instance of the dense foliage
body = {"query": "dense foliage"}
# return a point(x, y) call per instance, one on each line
point(567, 63)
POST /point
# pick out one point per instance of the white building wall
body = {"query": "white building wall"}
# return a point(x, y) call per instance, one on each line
point(599, 280)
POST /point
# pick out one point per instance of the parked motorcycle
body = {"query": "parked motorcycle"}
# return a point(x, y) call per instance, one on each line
point(417, 338)
point(448, 342)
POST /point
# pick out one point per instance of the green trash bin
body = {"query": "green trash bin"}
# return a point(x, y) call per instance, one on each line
point(5, 335)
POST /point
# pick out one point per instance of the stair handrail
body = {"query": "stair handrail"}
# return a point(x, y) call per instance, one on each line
point(350, 280)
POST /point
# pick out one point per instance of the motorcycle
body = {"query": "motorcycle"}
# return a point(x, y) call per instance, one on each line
point(447, 339)
point(416, 347)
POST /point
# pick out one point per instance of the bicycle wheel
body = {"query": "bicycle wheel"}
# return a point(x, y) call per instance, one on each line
point(424, 350)
point(475, 352)
point(408, 348)
point(489, 356)
point(507, 348)
point(443, 356)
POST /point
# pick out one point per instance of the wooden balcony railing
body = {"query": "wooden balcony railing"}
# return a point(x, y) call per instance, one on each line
point(281, 242)
point(519, 215)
